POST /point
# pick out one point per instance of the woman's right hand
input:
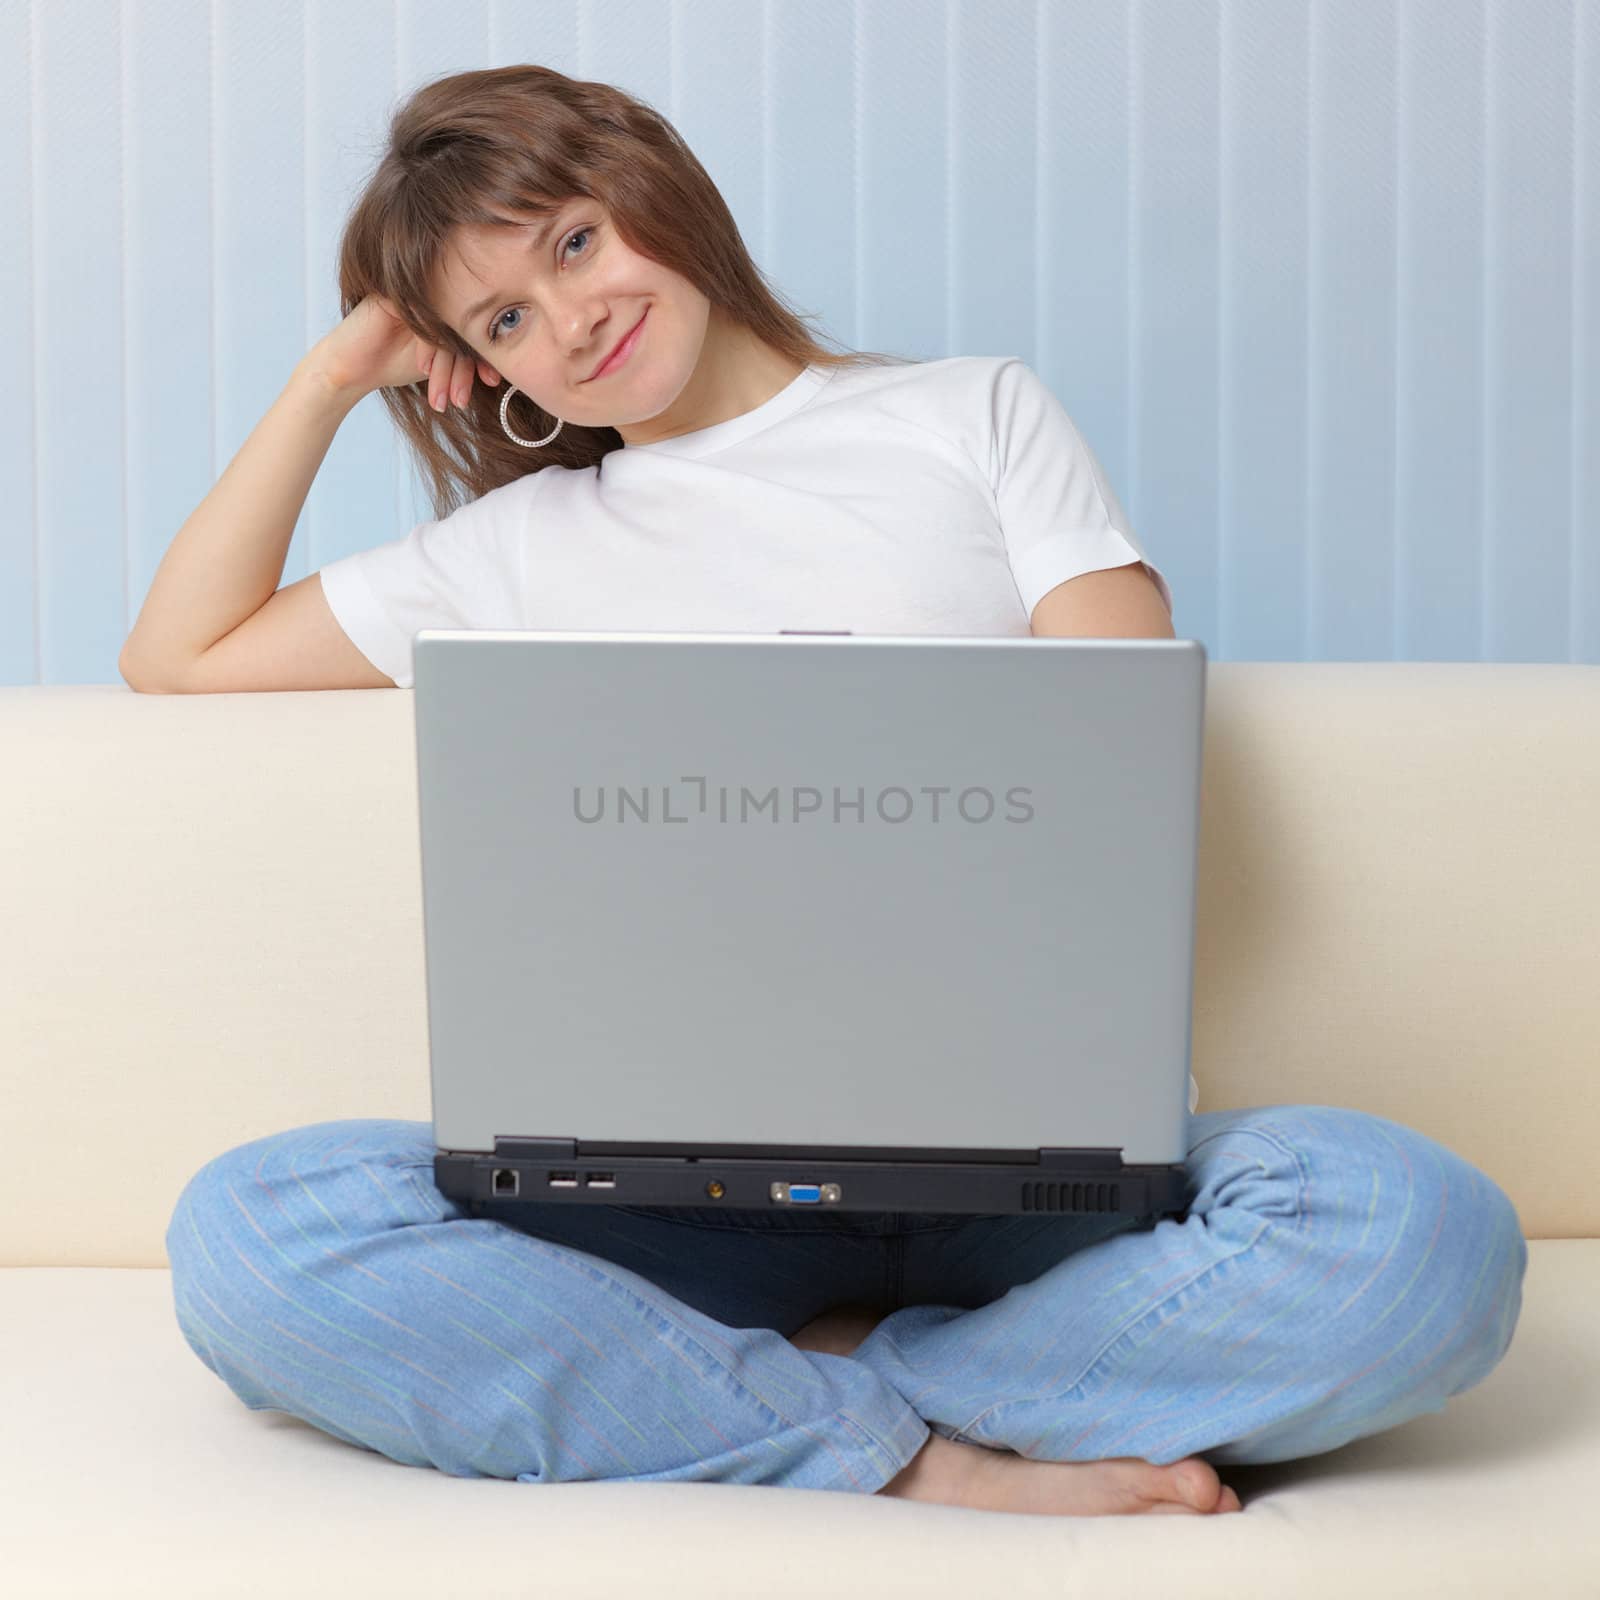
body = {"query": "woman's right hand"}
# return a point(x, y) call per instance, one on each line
point(373, 349)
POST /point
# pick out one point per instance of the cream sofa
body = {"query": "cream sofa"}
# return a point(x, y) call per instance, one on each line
point(213, 930)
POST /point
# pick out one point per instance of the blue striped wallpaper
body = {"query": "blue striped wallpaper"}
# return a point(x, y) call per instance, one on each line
point(1320, 283)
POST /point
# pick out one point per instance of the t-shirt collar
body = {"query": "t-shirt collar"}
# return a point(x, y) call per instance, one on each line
point(702, 441)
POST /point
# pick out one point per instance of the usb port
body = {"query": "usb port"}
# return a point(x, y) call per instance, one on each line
point(563, 1180)
point(601, 1180)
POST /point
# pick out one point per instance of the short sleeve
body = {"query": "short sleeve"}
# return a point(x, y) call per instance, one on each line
point(1058, 513)
point(457, 572)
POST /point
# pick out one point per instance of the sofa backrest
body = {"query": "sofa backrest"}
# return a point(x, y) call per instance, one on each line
point(213, 927)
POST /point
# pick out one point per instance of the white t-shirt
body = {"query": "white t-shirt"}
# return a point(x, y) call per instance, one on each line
point(937, 497)
point(934, 497)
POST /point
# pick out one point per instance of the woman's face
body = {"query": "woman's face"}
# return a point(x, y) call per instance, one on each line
point(543, 304)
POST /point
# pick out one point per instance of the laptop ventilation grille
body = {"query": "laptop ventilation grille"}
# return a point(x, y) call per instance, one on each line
point(1041, 1196)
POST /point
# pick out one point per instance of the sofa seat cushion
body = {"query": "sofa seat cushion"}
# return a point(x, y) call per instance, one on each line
point(129, 1469)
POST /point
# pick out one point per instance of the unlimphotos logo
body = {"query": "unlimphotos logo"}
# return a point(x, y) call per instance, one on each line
point(894, 804)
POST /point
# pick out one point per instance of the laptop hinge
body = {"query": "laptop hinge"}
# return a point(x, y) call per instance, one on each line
point(1056, 1156)
point(536, 1149)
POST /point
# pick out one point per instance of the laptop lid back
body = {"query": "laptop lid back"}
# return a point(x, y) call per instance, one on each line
point(875, 891)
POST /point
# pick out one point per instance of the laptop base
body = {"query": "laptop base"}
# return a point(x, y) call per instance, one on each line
point(746, 1177)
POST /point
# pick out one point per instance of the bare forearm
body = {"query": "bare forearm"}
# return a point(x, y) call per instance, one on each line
point(227, 560)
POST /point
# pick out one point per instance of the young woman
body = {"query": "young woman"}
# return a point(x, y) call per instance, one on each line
point(555, 305)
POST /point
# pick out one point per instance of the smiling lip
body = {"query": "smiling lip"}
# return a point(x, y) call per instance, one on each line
point(621, 353)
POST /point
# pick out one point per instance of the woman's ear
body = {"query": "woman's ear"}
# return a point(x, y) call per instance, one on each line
point(488, 374)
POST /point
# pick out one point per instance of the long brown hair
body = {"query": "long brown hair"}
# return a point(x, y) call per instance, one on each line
point(502, 146)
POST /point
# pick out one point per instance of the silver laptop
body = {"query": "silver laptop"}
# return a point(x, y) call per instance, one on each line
point(853, 922)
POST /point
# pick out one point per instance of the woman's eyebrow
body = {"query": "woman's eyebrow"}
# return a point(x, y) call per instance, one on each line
point(536, 245)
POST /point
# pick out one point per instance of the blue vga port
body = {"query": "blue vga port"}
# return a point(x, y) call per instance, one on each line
point(804, 1194)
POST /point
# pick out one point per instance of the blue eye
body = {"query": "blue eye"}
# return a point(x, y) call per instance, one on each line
point(493, 326)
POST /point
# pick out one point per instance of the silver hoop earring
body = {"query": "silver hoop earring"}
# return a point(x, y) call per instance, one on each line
point(516, 438)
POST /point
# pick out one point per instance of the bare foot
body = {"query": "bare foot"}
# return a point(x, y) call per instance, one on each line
point(838, 1331)
point(947, 1472)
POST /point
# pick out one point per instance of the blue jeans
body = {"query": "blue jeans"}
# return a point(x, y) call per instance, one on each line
point(1333, 1275)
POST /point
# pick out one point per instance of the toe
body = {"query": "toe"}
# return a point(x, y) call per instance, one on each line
point(1199, 1482)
